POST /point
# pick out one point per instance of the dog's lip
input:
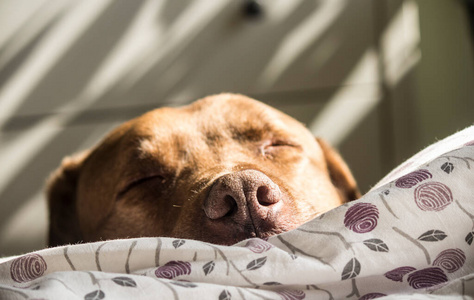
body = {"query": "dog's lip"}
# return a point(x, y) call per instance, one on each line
point(230, 234)
point(269, 233)
point(231, 239)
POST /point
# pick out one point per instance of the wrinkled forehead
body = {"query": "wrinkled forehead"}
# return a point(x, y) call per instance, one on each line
point(215, 115)
point(171, 134)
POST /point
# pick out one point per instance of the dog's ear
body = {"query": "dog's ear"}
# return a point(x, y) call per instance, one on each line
point(61, 196)
point(339, 172)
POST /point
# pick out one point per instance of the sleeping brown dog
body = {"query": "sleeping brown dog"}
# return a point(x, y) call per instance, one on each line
point(220, 170)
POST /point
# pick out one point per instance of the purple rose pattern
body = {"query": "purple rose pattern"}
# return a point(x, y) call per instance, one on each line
point(471, 143)
point(291, 294)
point(433, 196)
point(173, 269)
point(450, 260)
point(372, 296)
point(361, 217)
point(398, 273)
point(258, 246)
point(426, 278)
point(27, 268)
point(412, 179)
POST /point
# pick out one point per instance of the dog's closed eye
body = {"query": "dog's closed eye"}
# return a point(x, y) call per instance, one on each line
point(271, 147)
point(157, 179)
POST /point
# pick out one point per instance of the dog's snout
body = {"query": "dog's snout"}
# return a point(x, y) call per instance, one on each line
point(242, 195)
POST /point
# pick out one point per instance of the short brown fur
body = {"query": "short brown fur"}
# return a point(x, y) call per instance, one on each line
point(153, 175)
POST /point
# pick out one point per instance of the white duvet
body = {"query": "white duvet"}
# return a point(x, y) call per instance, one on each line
point(411, 237)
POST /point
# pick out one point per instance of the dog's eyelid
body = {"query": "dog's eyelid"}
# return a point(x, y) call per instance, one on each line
point(275, 144)
point(282, 142)
point(130, 184)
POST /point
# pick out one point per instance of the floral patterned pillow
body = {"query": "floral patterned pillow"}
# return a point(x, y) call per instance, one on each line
point(410, 237)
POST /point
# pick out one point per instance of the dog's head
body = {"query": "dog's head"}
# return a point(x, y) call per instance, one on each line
point(220, 170)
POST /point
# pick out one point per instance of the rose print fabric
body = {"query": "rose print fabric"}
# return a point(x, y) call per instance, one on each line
point(411, 237)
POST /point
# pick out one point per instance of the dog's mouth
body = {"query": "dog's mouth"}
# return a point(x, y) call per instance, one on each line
point(224, 233)
point(268, 233)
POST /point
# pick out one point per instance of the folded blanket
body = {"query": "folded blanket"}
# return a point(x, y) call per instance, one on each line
point(410, 235)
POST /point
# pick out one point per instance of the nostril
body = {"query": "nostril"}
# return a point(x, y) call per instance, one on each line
point(220, 203)
point(230, 205)
point(265, 196)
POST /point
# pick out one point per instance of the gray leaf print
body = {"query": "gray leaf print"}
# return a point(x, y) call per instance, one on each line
point(257, 263)
point(225, 295)
point(376, 245)
point(271, 283)
point(351, 270)
point(178, 243)
point(447, 167)
point(432, 236)
point(372, 296)
point(185, 284)
point(208, 267)
point(125, 281)
point(95, 295)
point(469, 237)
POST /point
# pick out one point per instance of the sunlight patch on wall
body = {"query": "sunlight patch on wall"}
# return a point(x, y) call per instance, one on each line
point(352, 103)
point(21, 23)
point(53, 46)
point(27, 224)
point(140, 39)
point(299, 39)
point(178, 36)
point(400, 43)
point(278, 11)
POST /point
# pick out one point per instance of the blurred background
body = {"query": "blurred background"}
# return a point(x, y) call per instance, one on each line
point(379, 79)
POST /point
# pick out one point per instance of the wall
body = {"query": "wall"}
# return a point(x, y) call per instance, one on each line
point(372, 77)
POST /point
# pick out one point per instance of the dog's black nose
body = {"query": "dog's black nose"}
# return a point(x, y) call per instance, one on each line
point(243, 196)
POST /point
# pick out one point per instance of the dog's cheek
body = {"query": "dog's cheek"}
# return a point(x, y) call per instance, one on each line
point(143, 211)
point(312, 189)
point(188, 217)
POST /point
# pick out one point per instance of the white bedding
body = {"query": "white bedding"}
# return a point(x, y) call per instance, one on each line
point(411, 237)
